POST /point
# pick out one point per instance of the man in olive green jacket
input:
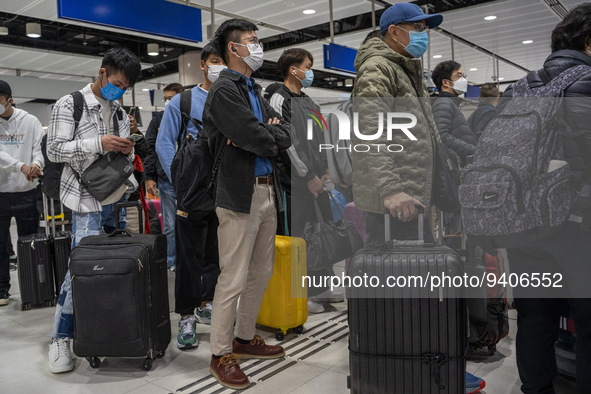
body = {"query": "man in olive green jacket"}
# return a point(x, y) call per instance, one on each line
point(390, 79)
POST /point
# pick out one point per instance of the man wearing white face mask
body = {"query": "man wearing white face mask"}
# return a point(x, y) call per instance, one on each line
point(197, 266)
point(21, 162)
point(454, 130)
point(246, 134)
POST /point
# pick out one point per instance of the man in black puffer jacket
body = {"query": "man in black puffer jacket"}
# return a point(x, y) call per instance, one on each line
point(538, 318)
point(452, 125)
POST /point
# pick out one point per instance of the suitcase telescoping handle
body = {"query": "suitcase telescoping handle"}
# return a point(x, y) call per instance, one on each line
point(421, 218)
point(44, 198)
point(130, 204)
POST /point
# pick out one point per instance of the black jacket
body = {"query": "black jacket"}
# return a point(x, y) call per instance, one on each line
point(452, 125)
point(309, 159)
point(577, 111)
point(480, 118)
point(152, 165)
point(228, 115)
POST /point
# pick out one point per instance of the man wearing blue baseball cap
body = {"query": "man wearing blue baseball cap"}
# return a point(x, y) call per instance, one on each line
point(389, 66)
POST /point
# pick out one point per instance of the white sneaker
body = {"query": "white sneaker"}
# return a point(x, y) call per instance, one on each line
point(328, 296)
point(59, 356)
point(314, 307)
point(203, 316)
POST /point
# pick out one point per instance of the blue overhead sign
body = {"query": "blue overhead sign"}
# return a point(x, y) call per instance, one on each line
point(338, 57)
point(158, 17)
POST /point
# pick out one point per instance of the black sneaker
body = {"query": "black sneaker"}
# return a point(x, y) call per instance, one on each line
point(4, 298)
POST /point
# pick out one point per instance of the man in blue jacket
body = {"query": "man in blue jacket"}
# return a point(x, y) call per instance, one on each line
point(245, 131)
point(197, 265)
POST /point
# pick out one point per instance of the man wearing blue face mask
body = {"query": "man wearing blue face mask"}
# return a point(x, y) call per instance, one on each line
point(102, 128)
point(389, 66)
point(302, 167)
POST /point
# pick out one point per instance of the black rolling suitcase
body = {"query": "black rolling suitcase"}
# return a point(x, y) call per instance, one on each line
point(120, 294)
point(62, 246)
point(35, 268)
point(406, 340)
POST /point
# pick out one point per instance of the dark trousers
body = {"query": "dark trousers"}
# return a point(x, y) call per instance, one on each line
point(567, 252)
point(23, 207)
point(302, 210)
point(197, 260)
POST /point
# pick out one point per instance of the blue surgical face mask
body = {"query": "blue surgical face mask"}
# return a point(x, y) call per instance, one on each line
point(307, 81)
point(418, 43)
point(111, 92)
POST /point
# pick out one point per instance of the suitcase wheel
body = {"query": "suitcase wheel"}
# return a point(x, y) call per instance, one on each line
point(279, 335)
point(298, 329)
point(147, 365)
point(161, 354)
point(25, 307)
point(492, 349)
point(94, 362)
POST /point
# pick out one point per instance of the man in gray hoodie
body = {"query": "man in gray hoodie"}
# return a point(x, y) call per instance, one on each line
point(21, 161)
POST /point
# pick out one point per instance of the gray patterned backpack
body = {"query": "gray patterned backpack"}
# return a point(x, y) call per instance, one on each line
point(518, 189)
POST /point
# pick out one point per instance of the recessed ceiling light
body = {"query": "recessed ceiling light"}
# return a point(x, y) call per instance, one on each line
point(141, 107)
point(153, 49)
point(33, 30)
point(437, 56)
point(501, 79)
point(527, 41)
point(309, 12)
point(145, 90)
point(474, 69)
point(490, 18)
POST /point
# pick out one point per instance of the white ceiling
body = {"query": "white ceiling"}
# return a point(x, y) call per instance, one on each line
point(517, 20)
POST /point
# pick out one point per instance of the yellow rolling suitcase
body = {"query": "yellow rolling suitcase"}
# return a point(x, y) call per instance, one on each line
point(285, 304)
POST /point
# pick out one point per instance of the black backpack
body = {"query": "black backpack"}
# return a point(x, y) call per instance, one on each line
point(52, 172)
point(192, 167)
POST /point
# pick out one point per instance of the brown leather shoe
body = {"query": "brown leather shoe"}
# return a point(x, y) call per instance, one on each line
point(256, 349)
point(227, 371)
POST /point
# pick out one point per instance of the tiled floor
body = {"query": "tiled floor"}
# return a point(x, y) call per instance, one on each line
point(317, 361)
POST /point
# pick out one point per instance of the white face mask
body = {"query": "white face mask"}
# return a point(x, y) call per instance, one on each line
point(461, 85)
point(213, 71)
point(166, 103)
point(6, 106)
point(255, 59)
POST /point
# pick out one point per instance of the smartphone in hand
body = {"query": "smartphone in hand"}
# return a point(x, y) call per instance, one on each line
point(135, 137)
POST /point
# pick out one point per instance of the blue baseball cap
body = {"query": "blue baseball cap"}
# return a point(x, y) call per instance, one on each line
point(407, 12)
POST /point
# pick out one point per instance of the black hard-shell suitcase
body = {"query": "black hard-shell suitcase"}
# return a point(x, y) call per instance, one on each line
point(406, 340)
point(35, 268)
point(120, 294)
point(62, 246)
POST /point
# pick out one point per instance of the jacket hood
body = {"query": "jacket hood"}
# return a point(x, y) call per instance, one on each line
point(377, 47)
point(18, 115)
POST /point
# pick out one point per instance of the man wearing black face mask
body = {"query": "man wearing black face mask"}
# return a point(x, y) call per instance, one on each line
point(454, 130)
point(21, 161)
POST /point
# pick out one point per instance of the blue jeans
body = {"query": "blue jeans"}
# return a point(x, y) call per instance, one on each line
point(83, 225)
point(168, 205)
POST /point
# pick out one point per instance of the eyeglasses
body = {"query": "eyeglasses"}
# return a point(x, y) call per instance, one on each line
point(419, 27)
point(166, 99)
point(460, 75)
